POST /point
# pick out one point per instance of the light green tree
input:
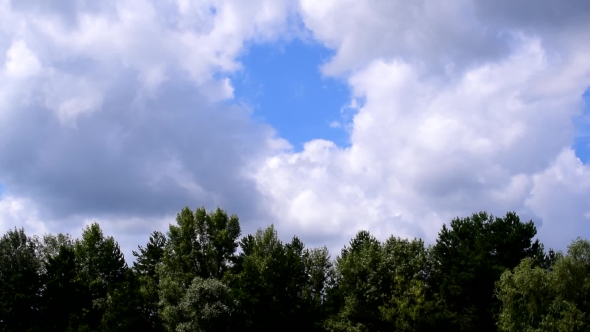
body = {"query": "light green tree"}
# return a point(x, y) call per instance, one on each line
point(381, 286)
point(201, 244)
point(200, 249)
point(204, 306)
point(553, 299)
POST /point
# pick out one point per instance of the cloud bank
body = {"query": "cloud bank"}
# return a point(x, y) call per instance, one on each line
point(119, 112)
point(461, 106)
point(123, 112)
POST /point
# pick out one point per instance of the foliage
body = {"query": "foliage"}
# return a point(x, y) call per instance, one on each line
point(536, 299)
point(357, 277)
point(19, 281)
point(483, 273)
point(148, 257)
point(204, 306)
point(145, 267)
point(201, 244)
point(272, 287)
point(63, 294)
point(319, 272)
point(383, 285)
point(122, 307)
point(50, 246)
point(469, 257)
point(101, 267)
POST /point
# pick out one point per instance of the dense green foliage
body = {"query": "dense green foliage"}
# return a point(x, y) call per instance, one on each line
point(554, 299)
point(19, 282)
point(469, 257)
point(483, 273)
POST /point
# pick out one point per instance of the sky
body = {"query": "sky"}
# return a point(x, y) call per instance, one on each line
point(320, 117)
point(283, 85)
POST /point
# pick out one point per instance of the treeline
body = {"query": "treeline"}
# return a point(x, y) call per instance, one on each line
point(484, 273)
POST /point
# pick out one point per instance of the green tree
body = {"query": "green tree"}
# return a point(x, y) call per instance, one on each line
point(202, 244)
point(63, 295)
point(319, 272)
point(101, 267)
point(204, 306)
point(271, 284)
point(357, 274)
point(147, 258)
point(51, 245)
point(411, 305)
point(382, 286)
point(318, 268)
point(19, 282)
point(470, 256)
point(145, 267)
point(123, 307)
point(556, 299)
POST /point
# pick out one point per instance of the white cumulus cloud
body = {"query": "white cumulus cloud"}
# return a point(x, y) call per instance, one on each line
point(117, 111)
point(458, 115)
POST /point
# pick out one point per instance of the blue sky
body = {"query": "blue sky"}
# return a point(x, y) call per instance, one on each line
point(582, 143)
point(283, 84)
point(123, 114)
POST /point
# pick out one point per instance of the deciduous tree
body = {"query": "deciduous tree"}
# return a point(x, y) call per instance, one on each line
point(101, 267)
point(205, 306)
point(556, 299)
point(470, 255)
point(19, 282)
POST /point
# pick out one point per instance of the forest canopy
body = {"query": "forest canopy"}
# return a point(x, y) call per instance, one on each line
point(483, 273)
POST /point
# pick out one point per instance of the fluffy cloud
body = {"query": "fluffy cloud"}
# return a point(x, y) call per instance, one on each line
point(118, 111)
point(462, 108)
point(13, 211)
point(433, 33)
point(559, 196)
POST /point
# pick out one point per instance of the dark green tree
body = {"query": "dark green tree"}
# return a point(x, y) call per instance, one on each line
point(19, 282)
point(63, 295)
point(411, 304)
point(123, 307)
point(145, 266)
point(469, 257)
point(383, 286)
point(147, 258)
point(101, 267)
point(357, 274)
point(271, 285)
